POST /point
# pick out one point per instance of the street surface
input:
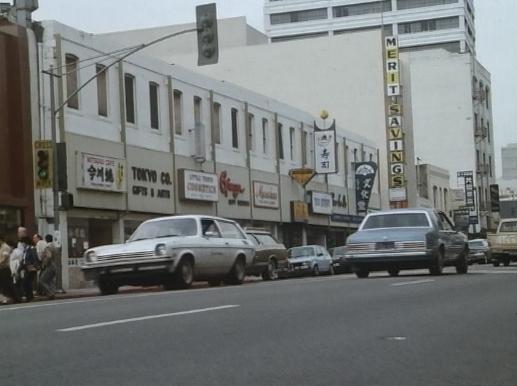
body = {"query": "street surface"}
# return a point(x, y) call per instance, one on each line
point(414, 329)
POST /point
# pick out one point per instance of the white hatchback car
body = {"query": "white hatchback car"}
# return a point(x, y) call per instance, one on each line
point(173, 251)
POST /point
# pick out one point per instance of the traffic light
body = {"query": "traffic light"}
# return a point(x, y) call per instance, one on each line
point(207, 39)
point(494, 198)
point(43, 153)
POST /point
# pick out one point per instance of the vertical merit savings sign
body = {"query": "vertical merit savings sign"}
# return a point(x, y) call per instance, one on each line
point(395, 133)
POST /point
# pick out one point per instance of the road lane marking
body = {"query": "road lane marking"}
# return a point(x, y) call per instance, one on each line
point(412, 282)
point(148, 317)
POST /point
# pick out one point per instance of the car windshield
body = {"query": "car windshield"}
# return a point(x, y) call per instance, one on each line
point(165, 228)
point(508, 226)
point(301, 252)
point(396, 220)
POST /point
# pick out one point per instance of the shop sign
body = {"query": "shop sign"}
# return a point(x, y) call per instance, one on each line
point(199, 186)
point(347, 218)
point(321, 203)
point(103, 173)
point(265, 195)
point(302, 175)
point(391, 47)
point(232, 189)
point(325, 151)
point(364, 179)
point(159, 180)
point(299, 211)
point(470, 199)
point(398, 194)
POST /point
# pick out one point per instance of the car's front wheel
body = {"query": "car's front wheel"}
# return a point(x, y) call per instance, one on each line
point(362, 273)
point(107, 287)
point(184, 275)
point(394, 272)
point(462, 266)
point(271, 272)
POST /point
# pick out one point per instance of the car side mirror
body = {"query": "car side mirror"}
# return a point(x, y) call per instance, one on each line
point(210, 234)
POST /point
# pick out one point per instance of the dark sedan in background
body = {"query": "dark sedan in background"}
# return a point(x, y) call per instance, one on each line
point(407, 239)
point(270, 259)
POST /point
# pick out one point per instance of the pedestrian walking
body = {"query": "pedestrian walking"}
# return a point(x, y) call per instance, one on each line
point(5, 271)
point(29, 267)
point(15, 264)
point(55, 253)
point(48, 271)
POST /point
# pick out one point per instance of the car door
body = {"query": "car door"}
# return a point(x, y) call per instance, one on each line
point(457, 239)
point(234, 240)
point(214, 249)
point(446, 236)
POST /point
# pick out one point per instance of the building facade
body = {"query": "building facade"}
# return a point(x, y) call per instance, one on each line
point(418, 23)
point(147, 139)
point(509, 161)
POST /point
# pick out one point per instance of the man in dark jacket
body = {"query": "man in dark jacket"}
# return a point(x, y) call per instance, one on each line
point(29, 267)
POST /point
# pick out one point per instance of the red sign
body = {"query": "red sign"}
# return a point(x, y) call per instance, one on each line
point(227, 186)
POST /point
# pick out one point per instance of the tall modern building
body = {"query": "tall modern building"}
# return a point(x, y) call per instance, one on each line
point(418, 23)
point(509, 157)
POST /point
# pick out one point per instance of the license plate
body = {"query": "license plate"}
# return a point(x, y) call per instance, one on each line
point(385, 245)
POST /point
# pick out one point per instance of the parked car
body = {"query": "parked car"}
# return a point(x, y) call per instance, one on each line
point(172, 251)
point(406, 239)
point(339, 261)
point(270, 259)
point(504, 242)
point(479, 251)
point(310, 259)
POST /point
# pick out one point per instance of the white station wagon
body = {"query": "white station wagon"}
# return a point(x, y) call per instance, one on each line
point(173, 251)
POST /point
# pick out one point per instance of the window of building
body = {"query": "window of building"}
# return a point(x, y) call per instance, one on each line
point(102, 90)
point(299, 16)
point(280, 141)
point(251, 127)
point(178, 111)
point(488, 131)
point(129, 90)
point(362, 8)
point(490, 165)
point(487, 97)
point(197, 110)
point(153, 104)
point(388, 30)
point(72, 80)
point(235, 129)
point(429, 25)
point(291, 143)
point(265, 125)
point(435, 196)
point(298, 37)
point(445, 202)
point(408, 4)
point(477, 159)
point(371, 157)
point(304, 148)
point(217, 122)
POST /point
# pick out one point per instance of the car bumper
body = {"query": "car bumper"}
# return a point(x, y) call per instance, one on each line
point(129, 270)
point(383, 260)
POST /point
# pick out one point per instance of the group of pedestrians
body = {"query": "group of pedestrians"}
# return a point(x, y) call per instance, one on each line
point(27, 267)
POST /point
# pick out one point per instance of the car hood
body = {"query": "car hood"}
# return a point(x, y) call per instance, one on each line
point(130, 247)
point(394, 234)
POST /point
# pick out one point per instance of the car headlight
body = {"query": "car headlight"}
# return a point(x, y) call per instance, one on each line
point(160, 250)
point(91, 257)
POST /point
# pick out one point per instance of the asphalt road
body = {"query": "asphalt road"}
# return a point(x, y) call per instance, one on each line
point(415, 329)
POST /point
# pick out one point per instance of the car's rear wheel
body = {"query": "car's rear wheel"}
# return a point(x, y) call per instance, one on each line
point(394, 272)
point(462, 266)
point(106, 287)
point(437, 267)
point(271, 272)
point(362, 273)
point(315, 271)
point(506, 262)
point(238, 272)
point(496, 263)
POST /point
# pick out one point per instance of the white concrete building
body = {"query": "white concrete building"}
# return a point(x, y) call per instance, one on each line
point(418, 23)
point(149, 139)
point(509, 161)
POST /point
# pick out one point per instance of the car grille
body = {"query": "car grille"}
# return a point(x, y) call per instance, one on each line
point(410, 244)
point(131, 255)
point(363, 247)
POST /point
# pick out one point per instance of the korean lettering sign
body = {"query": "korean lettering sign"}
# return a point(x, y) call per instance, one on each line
point(325, 151)
point(364, 179)
point(103, 173)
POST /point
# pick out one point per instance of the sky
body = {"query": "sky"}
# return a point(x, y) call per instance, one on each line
point(495, 32)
